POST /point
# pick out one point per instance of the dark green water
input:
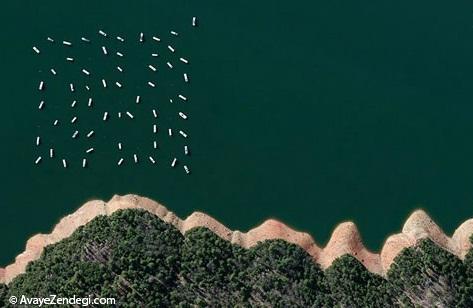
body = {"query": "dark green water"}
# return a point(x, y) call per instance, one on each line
point(312, 112)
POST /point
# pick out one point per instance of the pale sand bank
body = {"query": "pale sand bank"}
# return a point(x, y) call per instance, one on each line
point(345, 238)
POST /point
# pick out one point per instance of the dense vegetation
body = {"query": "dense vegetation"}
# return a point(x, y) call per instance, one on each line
point(121, 257)
point(351, 285)
point(142, 261)
point(428, 276)
point(3, 294)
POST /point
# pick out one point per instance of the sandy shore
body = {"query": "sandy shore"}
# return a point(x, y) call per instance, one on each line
point(345, 238)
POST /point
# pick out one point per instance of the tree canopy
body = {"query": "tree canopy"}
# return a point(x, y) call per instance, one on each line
point(141, 261)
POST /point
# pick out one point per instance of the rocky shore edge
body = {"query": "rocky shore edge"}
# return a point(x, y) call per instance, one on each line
point(345, 238)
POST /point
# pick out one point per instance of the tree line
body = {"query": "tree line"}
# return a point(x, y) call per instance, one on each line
point(142, 261)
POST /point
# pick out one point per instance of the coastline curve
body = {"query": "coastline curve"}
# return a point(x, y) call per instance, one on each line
point(345, 239)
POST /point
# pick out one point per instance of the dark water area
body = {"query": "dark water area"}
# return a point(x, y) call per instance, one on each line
point(312, 113)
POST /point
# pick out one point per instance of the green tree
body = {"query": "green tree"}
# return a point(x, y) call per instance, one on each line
point(428, 276)
point(211, 271)
point(3, 295)
point(142, 261)
point(284, 275)
point(468, 291)
point(352, 285)
point(132, 256)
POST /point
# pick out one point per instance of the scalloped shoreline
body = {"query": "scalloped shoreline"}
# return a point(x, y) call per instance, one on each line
point(345, 239)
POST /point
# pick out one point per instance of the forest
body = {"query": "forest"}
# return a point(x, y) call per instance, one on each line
point(141, 261)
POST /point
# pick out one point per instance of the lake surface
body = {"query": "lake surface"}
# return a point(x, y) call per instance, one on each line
point(311, 112)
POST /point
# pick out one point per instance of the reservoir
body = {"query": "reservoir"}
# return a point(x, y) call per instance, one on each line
point(309, 112)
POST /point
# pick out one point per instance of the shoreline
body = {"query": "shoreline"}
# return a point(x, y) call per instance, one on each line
point(345, 238)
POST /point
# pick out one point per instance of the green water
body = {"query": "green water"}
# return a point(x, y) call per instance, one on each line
point(312, 112)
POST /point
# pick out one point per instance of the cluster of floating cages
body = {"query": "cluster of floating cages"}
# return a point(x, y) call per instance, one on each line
point(135, 158)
